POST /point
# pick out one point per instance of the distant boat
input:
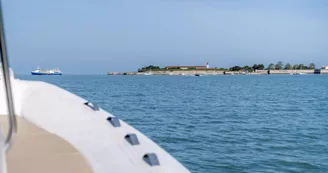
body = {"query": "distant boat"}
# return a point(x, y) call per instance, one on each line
point(298, 73)
point(38, 71)
point(148, 73)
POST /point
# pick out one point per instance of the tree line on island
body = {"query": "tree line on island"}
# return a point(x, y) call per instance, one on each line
point(279, 66)
point(151, 67)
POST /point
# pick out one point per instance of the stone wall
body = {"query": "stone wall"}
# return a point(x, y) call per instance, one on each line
point(324, 71)
point(261, 71)
point(291, 71)
point(285, 71)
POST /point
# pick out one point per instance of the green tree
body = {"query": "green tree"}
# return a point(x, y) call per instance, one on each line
point(255, 67)
point(223, 69)
point(235, 68)
point(288, 66)
point(248, 68)
point(279, 65)
point(295, 66)
point(151, 67)
point(312, 66)
point(260, 67)
point(301, 66)
point(271, 66)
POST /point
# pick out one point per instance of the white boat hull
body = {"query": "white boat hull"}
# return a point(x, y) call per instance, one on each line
point(103, 145)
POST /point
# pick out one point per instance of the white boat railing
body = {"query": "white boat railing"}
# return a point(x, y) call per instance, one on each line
point(8, 89)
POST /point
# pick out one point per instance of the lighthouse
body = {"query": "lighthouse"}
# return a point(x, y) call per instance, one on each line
point(207, 66)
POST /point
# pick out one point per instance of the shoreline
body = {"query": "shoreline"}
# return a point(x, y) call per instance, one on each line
point(217, 72)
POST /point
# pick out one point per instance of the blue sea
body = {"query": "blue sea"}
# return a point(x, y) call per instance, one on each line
point(212, 124)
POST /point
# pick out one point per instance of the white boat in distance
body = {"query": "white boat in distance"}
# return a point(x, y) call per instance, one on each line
point(148, 73)
point(298, 73)
point(39, 71)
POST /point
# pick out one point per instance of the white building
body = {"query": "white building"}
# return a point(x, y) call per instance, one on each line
point(325, 67)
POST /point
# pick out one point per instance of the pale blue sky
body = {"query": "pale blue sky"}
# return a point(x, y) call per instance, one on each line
point(97, 36)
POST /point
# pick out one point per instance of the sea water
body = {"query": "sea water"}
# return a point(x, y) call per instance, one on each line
point(213, 124)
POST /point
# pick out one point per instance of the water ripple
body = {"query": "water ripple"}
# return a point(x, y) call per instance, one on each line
point(221, 123)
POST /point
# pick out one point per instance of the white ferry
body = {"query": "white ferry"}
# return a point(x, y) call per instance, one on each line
point(39, 71)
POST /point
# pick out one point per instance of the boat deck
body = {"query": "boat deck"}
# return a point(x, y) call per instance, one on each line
point(38, 151)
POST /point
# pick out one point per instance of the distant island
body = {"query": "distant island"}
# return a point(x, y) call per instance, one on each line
point(279, 68)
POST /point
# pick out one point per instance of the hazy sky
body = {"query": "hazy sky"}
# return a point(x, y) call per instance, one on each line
point(97, 36)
